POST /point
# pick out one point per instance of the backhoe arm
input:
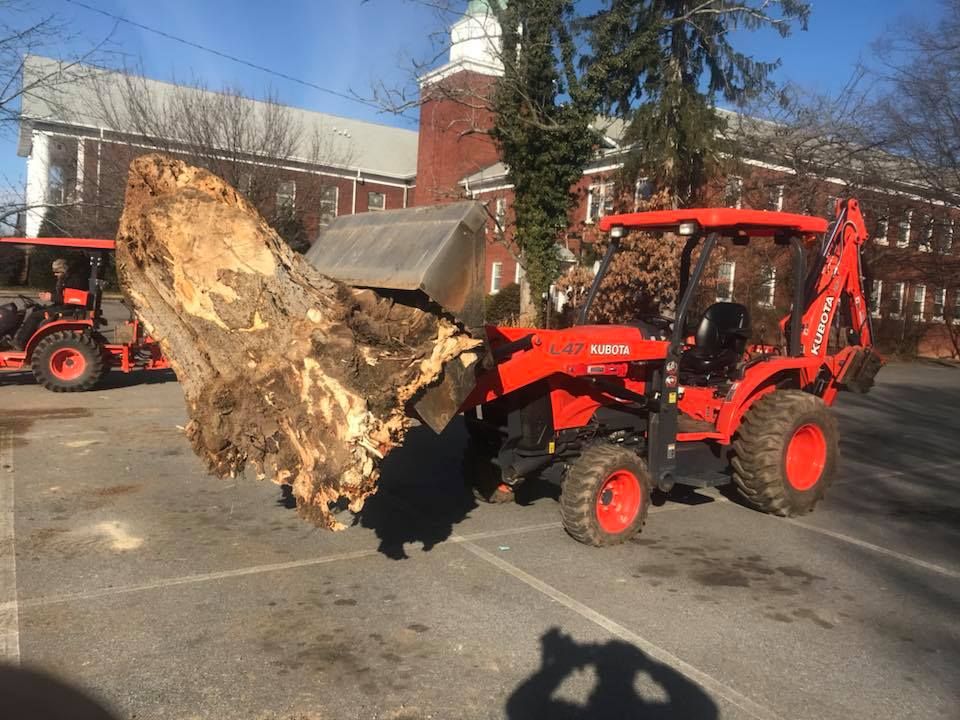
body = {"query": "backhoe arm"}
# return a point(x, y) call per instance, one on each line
point(835, 279)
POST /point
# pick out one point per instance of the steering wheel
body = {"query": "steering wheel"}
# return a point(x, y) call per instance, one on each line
point(29, 302)
point(660, 322)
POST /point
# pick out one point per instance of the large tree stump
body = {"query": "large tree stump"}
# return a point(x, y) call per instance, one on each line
point(304, 378)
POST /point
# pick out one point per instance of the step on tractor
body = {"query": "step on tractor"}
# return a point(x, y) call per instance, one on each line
point(614, 412)
point(70, 350)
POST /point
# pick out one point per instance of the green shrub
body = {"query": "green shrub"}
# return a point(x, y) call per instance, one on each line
point(503, 306)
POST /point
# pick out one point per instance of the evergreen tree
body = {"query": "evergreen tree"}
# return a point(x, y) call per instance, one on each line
point(666, 63)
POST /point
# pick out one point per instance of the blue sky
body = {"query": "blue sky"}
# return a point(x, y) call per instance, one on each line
point(350, 44)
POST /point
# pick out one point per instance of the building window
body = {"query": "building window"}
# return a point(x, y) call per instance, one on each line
point(896, 302)
point(925, 243)
point(956, 306)
point(883, 227)
point(245, 184)
point(599, 201)
point(56, 184)
point(733, 192)
point(329, 195)
point(946, 244)
point(832, 206)
point(500, 215)
point(939, 300)
point(376, 200)
point(642, 191)
point(725, 275)
point(768, 286)
point(496, 273)
point(518, 274)
point(287, 195)
point(775, 198)
point(903, 239)
point(919, 297)
point(876, 293)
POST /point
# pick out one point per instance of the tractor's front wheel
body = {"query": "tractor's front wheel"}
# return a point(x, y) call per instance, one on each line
point(68, 361)
point(605, 495)
point(785, 453)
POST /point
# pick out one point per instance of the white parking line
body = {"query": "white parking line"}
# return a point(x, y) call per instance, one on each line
point(878, 549)
point(706, 681)
point(9, 609)
point(241, 572)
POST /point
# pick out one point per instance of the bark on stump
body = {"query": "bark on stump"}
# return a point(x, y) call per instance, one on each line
point(304, 378)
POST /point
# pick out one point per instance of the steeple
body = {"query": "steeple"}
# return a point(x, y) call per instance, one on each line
point(475, 38)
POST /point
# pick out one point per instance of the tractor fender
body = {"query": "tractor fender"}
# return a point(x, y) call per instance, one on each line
point(789, 372)
point(52, 327)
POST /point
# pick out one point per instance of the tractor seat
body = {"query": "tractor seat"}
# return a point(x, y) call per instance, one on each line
point(720, 342)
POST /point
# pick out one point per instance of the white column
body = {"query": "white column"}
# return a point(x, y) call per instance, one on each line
point(78, 197)
point(38, 177)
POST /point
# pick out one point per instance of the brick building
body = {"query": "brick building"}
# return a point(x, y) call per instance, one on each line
point(915, 264)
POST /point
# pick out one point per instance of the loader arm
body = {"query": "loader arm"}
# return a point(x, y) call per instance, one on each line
point(835, 280)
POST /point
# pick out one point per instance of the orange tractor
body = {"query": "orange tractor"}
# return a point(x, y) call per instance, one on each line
point(69, 350)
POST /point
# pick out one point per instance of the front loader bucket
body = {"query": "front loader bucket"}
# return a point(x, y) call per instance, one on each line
point(437, 251)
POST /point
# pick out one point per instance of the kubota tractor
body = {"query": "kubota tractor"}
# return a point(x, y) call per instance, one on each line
point(621, 410)
point(70, 351)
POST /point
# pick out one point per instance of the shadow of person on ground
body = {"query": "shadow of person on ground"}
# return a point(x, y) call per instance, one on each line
point(617, 666)
point(34, 695)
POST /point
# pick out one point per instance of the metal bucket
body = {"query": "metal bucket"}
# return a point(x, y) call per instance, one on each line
point(437, 250)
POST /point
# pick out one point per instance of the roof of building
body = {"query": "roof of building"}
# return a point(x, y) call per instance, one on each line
point(91, 97)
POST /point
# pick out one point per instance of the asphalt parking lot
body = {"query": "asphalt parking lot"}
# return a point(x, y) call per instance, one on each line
point(133, 578)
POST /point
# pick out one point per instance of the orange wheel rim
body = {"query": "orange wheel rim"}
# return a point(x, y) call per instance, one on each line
point(806, 457)
point(618, 501)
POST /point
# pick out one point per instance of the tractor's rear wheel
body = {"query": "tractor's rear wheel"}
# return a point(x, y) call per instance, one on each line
point(68, 361)
point(605, 495)
point(481, 476)
point(785, 453)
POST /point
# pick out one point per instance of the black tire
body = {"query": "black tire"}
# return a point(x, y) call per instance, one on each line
point(586, 494)
point(761, 451)
point(481, 476)
point(82, 347)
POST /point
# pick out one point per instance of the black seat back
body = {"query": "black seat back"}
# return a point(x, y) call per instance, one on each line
point(725, 326)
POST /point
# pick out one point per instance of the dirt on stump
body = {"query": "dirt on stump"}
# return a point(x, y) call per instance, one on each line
point(302, 377)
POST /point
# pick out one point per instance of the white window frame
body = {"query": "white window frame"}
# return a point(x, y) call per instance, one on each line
point(942, 293)
point(730, 281)
point(496, 277)
point(925, 243)
point(500, 215)
point(518, 273)
point(769, 286)
point(382, 194)
point(923, 300)
point(876, 298)
point(956, 306)
point(899, 289)
point(602, 188)
point(778, 203)
point(736, 182)
point(881, 238)
point(832, 206)
point(336, 201)
point(636, 190)
point(282, 196)
point(903, 230)
point(947, 242)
